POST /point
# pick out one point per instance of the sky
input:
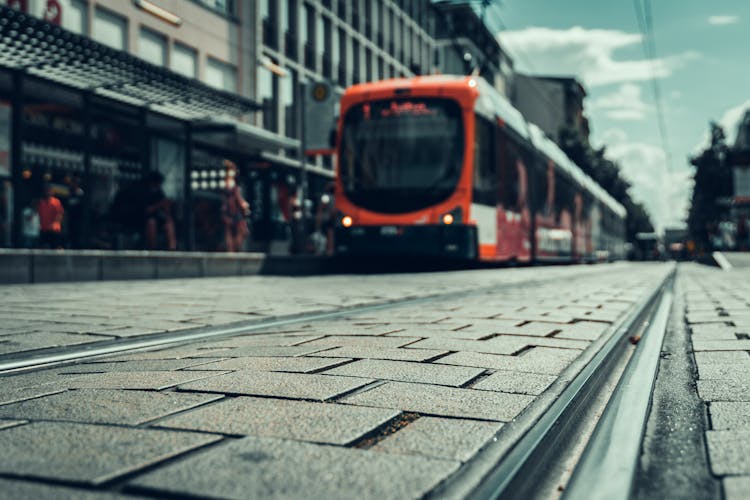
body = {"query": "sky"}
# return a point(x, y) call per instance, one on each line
point(701, 66)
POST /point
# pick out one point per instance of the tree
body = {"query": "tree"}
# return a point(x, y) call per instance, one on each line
point(713, 183)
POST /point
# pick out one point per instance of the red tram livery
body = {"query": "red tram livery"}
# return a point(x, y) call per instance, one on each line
point(444, 166)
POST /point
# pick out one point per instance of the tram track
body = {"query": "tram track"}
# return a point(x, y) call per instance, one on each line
point(528, 455)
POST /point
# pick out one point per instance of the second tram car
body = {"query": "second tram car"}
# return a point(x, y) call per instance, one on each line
point(444, 166)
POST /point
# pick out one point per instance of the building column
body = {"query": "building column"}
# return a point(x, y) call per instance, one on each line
point(188, 233)
point(16, 155)
point(86, 150)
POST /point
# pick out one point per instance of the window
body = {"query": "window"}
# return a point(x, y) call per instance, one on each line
point(184, 60)
point(267, 97)
point(319, 35)
point(152, 47)
point(76, 17)
point(110, 29)
point(288, 85)
point(221, 75)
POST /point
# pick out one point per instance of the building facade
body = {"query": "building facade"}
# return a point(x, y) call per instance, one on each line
point(118, 89)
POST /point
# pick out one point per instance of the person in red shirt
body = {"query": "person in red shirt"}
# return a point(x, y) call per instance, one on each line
point(51, 213)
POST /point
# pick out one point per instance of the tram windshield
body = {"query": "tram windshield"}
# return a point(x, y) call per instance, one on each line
point(401, 155)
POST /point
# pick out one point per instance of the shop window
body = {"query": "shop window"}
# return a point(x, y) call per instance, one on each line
point(152, 47)
point(110, 29)
point(221, 75)
point(184, 60)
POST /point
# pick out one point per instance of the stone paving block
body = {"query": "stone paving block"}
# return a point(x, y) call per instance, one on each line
point(298, 364)
point(27, 490)
point(535, 329)
point(543, 360)
point(278, 469)
point(399, 354)
point(42, 340)
point(277, 384)
point(721, 345)
point(261, 351)
point(443, 401)
point(736, 488)
point(440, 334)
point(90, 454)
point(583, 330)
point(360, 341)
point(505, 345)
point(156, 381)
point(549, 342)
point(299, 420)
point(728, 416)
point(150, 365)
point(405, 371)
point(516, 382)
point(728, 452)
point(724, 390)
point(440, 438)
point(270, 340)
point(103, 406)
point(724, 370)
point(722, 357)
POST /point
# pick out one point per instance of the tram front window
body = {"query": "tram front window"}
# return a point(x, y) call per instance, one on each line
point(401, 155)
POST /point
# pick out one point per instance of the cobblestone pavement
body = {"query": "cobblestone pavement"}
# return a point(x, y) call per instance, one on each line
point(718, 313)
point(386, 404)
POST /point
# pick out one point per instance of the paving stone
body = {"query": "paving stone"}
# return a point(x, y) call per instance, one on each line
point(134, 380)
point(90, 454)
point(583, 330)
point(104, 406)
point(260, 351)
point(133, 366)
point(537, 360)
point(422, 333)
point(724, 390)
point(278, 384)
point(277, 469)
point(298, 364)
point(730, 415)
point(360, 341)
point(736, 488)
point(516, 382)
point(300, 420)
point(443, 401)
point(440, 437)
point(42, 340)
point(507, 345)
point(726, 370)
point(728, 452)
point(405, 371)
point(398, 354)
point(722, 357)
point(278, 339)
point(721, 345)
point(26, 490)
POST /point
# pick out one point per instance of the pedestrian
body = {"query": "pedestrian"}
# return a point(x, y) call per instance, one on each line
point(51, 213)
point(158, 213)
point(30, 227)
point(324, 222)
point(234, 210)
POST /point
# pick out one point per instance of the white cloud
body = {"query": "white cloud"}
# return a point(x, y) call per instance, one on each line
point(625, 103)
point(729, 121)
point(665, 194)
point(586, 53)
point(723, 20)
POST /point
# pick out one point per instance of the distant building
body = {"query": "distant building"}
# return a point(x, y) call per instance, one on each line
point(553, 103)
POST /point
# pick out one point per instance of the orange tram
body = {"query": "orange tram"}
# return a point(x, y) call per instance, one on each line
point(445, 166)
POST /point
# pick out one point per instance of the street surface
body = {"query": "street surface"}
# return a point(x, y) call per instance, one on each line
point(382, 403)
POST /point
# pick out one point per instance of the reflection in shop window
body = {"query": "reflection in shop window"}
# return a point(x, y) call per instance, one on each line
point(110, 29)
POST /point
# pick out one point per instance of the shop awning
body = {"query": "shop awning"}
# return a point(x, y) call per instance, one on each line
point(48, 51)
point(240, 136)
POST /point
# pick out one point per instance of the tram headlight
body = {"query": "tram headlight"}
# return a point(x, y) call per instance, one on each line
point(346, 221)
point(448, 219)
point(455, 216)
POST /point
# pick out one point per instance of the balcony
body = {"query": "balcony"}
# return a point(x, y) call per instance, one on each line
point(290, 45)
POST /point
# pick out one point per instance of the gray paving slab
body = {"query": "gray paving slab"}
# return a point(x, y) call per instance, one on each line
point(360, 341)
point(583, 330)
point(730, 415)
point(278, 384)
point(300, 420)
point(544, 360)
point(149, 365)
point(516, 382)
point(260, 351)
point(443, 401)
point(90, 454)
point(736, 488)
point(104, 406)
point(27, 490)
point(728, 452)
point(278, 469)
point(144, 380)
point(42, 340)
point(721, 345)
point(405, 371)
point(507, 345)
point(490, 327)
point(724, 390)
point(448, 438)
point(397, 354)
point(727, 370)
point(272, 364)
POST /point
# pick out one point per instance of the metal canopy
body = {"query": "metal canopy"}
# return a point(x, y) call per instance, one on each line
point(46, 50)
point(240, 136)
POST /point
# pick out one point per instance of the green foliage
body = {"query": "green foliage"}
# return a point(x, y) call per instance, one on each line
point(713, 182)
point(607, 174)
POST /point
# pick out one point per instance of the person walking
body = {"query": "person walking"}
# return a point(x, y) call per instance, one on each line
point(234, 210)
point(51, 213)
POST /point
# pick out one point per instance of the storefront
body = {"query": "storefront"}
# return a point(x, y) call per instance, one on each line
point(93, 124)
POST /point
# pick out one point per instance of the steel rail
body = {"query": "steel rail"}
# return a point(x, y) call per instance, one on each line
point(516, 473)
point(31, 360)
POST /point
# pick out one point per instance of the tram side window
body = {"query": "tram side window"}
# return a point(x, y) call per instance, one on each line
point(510, 157)
point(485, 171)
point(539, 185)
